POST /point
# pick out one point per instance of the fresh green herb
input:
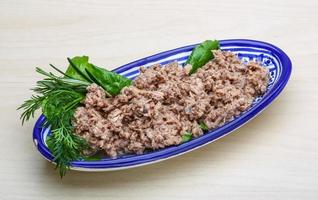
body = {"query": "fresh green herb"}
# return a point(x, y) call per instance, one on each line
point(110, 81)
point(45, 87)
point(63, 144)
point(203, 126)
point(59, 102)
point(202, 54)
point(30, 106)
point(58, 97)
point(186, 137)
point(53, 82)
point(77, 67)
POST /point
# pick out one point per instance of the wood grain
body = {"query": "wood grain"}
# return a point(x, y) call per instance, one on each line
point(275, 156)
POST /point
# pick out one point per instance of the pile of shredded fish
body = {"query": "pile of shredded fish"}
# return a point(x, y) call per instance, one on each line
point(165, 102)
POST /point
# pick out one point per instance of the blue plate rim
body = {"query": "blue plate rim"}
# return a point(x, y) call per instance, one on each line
point(208, 137)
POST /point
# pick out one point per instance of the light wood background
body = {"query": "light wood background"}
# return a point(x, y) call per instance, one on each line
point(275, 156)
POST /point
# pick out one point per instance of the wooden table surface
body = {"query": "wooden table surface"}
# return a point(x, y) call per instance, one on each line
point(275, 156)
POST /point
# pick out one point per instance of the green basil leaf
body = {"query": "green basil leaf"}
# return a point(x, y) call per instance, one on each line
point(201, 54)
point(77, 71)
point(186, 137)
point(110, 81)
point(81, 69)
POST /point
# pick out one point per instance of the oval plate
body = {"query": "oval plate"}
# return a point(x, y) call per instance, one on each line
point(269, 55)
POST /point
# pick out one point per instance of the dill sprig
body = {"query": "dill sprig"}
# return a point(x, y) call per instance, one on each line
point(45, 87)
point(58, 97)
point(64, 145)
point(30, 106)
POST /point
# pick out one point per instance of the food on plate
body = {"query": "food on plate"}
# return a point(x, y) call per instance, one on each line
point(165, 102)
point(91, 109)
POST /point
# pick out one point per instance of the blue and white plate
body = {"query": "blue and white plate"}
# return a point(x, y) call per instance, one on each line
point(269, 55)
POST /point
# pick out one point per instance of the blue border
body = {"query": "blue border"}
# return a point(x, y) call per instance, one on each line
point(135, 160)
